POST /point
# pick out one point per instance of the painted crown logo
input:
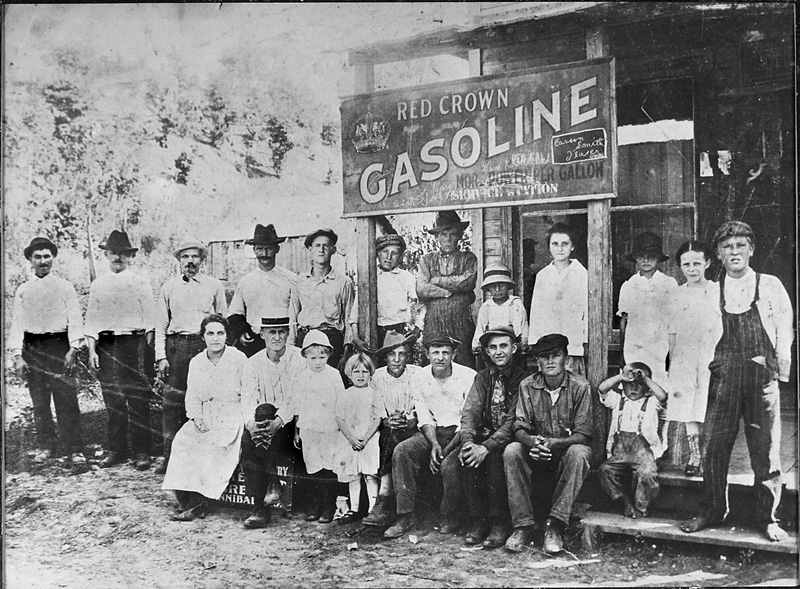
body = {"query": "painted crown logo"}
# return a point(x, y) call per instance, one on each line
point(370, 133)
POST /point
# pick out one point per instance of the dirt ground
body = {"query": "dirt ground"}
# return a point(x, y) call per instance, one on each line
point(90, 528)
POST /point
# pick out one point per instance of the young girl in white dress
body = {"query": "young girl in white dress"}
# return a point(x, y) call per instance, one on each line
point(358, 418)
point(695, 326)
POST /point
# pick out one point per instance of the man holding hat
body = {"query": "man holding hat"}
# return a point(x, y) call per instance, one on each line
point(119, 314)
point(394, 386)
point(264, 292)
point(552, 433)
point(323, 298)
point(182, 305)
point(486, 422)
point(446, 284)
point(270, 378)
point(439, 393)
point(46, 334)
point(398, 307)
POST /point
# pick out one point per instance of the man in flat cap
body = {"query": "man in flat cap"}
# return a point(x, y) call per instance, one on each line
point(46, 334)
point(486, 429)
point(324, 298)
point(120, 316)
point(399, 309)
point(439, 393)
point(182, 305)
point(264, 292)
point(552, 432)
point(446, 284)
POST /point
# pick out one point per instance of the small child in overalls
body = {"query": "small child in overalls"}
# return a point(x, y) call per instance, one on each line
point(634, 440)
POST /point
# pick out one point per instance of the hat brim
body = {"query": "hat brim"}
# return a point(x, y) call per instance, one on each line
point(124, 250)
point(440, 342)
point(661, 257)
point(28, 251)
point(484, 339)
point(548, 350)
point(407, 341)
point(460, 226)
point(268, 242)
point(202, 248)
point(312, 236)
point(497, 280)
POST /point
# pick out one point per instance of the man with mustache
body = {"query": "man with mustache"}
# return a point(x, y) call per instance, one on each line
point(184, 302)
point(264, 292)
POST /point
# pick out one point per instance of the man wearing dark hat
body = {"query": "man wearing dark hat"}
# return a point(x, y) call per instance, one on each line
point(439, 394)
point(269, 379)
point(446, 284)
point(119, 314)
point(486, 422)
point(394, 386)
point(323, 298)
point(552, 432)
point(46, 334)
point(398, 307)
point(753, 354)
point(182, 305)
point(264, 292)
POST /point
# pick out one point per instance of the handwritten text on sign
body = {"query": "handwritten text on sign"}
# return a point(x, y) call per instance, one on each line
point(542, 135)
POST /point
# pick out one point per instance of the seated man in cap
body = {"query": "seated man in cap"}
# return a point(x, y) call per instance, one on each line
point(446, 284)
point(398, 307)
point(46, 334)
point(264, 292)
point(323, 298)
point(394, 386)
point(552, 429)
point(182, 305)
point(486, 422)
point(119, 316)
point(269, 380)
point(439, 394)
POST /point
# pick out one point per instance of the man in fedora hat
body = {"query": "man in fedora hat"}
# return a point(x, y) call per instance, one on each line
point(643, 303)
point(398, 306)
point(270, 378)
point(46, 334)
point(324, 298)
point(439, 393)
point(181, 306)
point(264, 292)
point(119, 316)
point(486, 421)
point(446, 284)
point(552, 431)
point(394, 386)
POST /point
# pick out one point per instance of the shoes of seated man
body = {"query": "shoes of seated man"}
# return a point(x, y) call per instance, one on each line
point(498, 535)
point(112, 459)
point(478, 530)
point(519, 539)
point(403, 524)
point(449, 525)
point(77, 458)
point(161, 465)
point(192, 513)
point(260, 517)
point(553, 543)
point(379, 516)
point(273, 496)
point(42, 456)
point(142, 462)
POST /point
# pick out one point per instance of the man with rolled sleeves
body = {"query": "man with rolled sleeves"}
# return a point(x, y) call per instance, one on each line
point(552, 433)
point(120, 318)
point(264, 292)
point(46, 334)
point(182, 305)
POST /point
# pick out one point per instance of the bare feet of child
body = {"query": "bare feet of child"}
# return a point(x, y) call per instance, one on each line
point(631, 511)
point(775, 533)
point(699, 522)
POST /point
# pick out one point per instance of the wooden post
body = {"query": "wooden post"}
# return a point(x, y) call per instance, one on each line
point(599, 247)
point(367, 272)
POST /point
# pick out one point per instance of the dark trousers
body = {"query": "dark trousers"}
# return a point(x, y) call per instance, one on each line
point(742, 387)
point(126, 393)
point(566, 470)
point(260, 466)
point(631, 454)
point(45, 357)
point(180, 350)
point(410, 458)
point(484, 487)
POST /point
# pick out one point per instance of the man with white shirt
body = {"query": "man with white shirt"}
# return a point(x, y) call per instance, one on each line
point(120, 314)
point(46, 333)
point(264, 292)
point(182, 305)
point(398, 307)
point(440, 391)
point(753, 354)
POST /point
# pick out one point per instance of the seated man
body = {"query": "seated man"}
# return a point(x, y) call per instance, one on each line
point(439, 393)
point(552, 429)
point(486, 422)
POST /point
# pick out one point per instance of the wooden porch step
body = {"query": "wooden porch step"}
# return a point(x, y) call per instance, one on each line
point(668, 529)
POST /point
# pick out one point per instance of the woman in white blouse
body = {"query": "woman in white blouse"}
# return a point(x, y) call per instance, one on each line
point(205, 451)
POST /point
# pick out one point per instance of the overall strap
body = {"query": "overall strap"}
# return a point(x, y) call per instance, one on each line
point(642, 411)
point(756, 295)
point(619, 415)
point(722, 292)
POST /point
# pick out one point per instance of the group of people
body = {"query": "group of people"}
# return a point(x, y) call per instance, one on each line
point(271, 378)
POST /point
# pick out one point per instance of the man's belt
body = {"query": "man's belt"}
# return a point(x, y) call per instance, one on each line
point(121, 332)
point(185, 336)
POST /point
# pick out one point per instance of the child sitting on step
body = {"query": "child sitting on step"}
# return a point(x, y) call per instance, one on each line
point(634, 439)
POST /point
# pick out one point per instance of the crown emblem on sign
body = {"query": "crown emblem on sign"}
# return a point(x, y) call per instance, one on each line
point(369, 133)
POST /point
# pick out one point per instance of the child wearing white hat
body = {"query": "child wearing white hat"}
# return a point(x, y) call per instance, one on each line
point(502, 309)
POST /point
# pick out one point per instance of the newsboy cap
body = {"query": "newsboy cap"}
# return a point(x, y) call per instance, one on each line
point(187, 244)
point(550, 343)
point(390, 239)
point(40, 243)
point(732, 229)
point(439, 339)
point(503, 330)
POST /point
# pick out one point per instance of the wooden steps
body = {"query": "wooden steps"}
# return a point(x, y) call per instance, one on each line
point(668, 529)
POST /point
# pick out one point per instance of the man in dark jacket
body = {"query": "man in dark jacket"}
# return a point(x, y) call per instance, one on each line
point(486, 429)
